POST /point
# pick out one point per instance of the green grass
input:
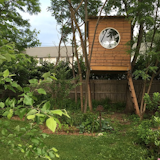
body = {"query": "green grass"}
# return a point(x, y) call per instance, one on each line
point(108, 147)
point(117, 145)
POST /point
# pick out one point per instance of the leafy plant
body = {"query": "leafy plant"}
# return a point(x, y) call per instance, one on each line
point(26, 106)
point(148, 134)
point(91, 123)
point(154, 102)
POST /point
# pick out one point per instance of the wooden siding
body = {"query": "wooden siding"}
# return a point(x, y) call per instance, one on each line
point(116, 59)
point(115, 90)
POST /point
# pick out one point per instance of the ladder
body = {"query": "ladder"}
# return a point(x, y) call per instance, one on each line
point(133, 94)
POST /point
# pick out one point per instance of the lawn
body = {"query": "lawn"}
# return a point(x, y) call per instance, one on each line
point(119, 144)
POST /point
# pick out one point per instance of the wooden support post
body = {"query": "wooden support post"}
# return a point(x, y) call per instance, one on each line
point(89, 97)
point(133, 94)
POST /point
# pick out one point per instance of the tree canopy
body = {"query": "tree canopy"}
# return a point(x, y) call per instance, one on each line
point(13, 27)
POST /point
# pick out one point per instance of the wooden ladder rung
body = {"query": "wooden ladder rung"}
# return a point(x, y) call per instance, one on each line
point(133, 94)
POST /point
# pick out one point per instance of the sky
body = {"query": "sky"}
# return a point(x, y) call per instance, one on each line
point(46, 24)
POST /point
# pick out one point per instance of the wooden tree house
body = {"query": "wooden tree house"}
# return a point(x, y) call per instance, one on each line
point(110, 49)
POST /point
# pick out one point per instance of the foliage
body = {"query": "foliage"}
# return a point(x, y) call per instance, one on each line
point(121, 144)
point(148, 132)
point(23, 66)
point(13, 27)
point(154, 102)
point(88, 122)
point(149, 136)
point(26, 105)
point(91, 126)
point(60, 10)
point(26, 139)
point(60, 89)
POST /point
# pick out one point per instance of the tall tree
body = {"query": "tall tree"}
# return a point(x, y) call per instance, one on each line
point(12, 25)
point(144, 18)
point(72, 12)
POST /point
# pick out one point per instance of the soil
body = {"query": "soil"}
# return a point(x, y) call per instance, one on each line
point(75, 131)
point(119, 117)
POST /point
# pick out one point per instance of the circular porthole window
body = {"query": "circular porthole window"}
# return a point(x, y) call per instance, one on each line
point(109, 38)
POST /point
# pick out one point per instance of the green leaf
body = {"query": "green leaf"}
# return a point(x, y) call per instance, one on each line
point(26, 89)
point(39, 151)
point(54, 78)
point(57, 120)
point(8, 80)
point(36, 141)
point(44, 135)
point(33, 81)
point(51, 154)
point(3, 131)
point(54, 149)
point(47, 157)
point(51, 124)
point(46, 106)
point(65, 113)
point(57, 155)
point(22, 112)
point(9, 46)
point(7, 102)
point(10, 114)
point(13, 102)
point(8, 57)
point(5, 113)
point(2, 105)
point(17, 128)
point(22, 150)
point(46, 75)
point(21, 100)
point(6, 73)
point(41, 91)
point(40, 115)
point(32, 112)
point(14, 84)
point(2, 57)
point(31, 117)
point(58, 112)
point(27, 100)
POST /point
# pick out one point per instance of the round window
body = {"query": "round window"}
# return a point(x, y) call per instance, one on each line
point(109, 38)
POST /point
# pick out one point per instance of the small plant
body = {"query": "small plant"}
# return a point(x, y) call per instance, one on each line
point(91, 124)
point(148, 134)
point(152, 103)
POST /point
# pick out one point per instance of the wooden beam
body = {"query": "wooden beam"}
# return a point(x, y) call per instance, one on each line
point(133, 94)
point(110, 68)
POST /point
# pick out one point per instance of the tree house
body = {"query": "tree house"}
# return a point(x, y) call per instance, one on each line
point(110, 45)
point(110, 49)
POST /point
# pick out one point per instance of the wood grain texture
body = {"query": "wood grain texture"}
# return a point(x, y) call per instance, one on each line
point(105, 59)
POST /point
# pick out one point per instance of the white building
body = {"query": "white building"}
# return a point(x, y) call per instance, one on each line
point(50, 54)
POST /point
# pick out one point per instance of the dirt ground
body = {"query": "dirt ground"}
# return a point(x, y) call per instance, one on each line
point(114, 116)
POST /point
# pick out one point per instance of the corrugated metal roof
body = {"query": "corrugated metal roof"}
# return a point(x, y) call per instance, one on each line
point(44, 52)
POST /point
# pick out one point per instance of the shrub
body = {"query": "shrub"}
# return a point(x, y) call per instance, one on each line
point(148, 134)
point(152, 103)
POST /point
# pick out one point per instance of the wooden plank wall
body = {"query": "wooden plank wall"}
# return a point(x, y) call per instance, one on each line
point(115, 90)
point(115, 59)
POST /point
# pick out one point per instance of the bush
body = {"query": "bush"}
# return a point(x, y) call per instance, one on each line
point(87, 122)
point(148, 134)
point(152, 103)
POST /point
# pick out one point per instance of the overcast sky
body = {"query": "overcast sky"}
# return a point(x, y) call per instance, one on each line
point(46, 24)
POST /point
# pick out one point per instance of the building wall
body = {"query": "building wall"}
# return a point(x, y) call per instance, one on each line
point(53, 60)
point(115, 59)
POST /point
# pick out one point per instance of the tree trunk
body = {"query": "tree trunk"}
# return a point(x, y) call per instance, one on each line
point(78, 62)
point(129, 103)
point(90, 97)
